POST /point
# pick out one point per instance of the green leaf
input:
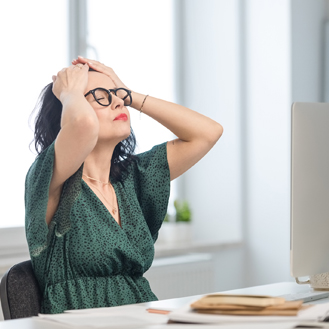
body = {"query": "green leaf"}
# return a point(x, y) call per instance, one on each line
point(183, 212)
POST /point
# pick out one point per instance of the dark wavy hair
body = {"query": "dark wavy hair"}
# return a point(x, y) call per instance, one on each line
point(47, 127)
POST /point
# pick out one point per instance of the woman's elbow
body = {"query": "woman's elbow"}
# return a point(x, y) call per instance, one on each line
point(220, 131)
point(215, 133)
point(87, 125)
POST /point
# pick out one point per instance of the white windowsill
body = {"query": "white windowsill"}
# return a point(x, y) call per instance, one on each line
point(166, 250)
point(14, 249)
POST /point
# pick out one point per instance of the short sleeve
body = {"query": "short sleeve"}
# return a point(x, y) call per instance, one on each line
point(152, 181)
point(36, 200)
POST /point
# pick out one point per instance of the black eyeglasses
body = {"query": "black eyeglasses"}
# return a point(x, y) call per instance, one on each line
point(103, 96)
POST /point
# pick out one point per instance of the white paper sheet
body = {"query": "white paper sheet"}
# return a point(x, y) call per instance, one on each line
point(281, 325)
point(124, 309)
point(129, 317)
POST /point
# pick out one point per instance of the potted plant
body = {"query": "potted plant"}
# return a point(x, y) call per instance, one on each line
point(183, 212)
point(177, 227)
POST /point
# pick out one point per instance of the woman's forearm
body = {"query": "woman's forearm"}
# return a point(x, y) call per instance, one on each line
point(77, 110)
point(186, 124)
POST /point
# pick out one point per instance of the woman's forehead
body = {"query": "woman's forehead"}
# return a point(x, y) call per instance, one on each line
point(97, 79)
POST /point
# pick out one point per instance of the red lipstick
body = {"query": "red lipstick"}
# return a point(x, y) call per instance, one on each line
point(121, 116)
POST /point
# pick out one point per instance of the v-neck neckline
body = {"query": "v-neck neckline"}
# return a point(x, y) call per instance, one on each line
point(105, 208)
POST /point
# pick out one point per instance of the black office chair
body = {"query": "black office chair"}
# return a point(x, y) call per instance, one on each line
point(20, 293)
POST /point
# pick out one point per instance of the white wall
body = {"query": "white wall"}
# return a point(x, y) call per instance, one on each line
point(258, 147)
point(284, 43)
point(211, 87)
point(307, 47)
point(253, 58)
point(268, 91)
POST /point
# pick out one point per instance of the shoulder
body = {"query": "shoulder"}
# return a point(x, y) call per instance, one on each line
point(145, 164)
point(152, 165)
point(43, 164)
point(157, 152)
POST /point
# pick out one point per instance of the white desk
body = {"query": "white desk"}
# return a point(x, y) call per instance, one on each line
point(275, 289)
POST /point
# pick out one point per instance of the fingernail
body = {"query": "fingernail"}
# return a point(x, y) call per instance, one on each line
point(80, 56)
point(89, 63)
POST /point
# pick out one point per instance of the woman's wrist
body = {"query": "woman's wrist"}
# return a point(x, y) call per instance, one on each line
point(137, 100)
point(67, 95)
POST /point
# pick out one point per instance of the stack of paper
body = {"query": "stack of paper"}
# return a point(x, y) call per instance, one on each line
point(127, 316)
point(246, 305)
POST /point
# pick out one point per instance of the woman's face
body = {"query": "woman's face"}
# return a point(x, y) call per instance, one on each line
point(109, 128)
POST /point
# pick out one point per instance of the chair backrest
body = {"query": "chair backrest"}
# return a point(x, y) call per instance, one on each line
point(20, 293)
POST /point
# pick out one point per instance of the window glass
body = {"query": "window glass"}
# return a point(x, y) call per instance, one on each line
point(34, 47)
point(135, 38)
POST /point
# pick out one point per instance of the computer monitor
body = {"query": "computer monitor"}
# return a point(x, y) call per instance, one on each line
point(309, 241)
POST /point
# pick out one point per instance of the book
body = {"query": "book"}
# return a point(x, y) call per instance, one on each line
point(245, 300)
point(246, 305)
point(232, 307)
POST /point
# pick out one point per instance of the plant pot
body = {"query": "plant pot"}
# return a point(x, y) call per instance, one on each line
point(175, 233)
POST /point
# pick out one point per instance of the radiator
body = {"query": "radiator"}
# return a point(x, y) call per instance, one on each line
point(181, 276)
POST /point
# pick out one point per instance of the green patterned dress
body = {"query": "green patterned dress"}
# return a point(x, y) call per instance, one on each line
point(84, 259)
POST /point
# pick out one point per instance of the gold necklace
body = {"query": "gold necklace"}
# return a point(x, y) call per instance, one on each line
point(114, 209)
point(97, 180)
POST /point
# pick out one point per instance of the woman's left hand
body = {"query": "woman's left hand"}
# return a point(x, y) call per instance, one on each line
point(97, 66)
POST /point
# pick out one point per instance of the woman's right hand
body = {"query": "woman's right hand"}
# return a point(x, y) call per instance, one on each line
point(72, 79)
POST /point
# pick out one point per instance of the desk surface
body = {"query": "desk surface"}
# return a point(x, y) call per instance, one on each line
point(274, 289)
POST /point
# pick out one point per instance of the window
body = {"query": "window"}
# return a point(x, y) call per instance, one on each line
point(133, 37)
point(34, 47)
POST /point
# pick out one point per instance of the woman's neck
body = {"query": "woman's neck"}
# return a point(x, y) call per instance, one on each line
point(97, 165)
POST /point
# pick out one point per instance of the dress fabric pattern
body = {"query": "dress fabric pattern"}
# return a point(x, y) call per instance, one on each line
point(84, 259)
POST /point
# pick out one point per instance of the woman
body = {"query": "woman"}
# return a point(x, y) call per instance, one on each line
point(93, 209)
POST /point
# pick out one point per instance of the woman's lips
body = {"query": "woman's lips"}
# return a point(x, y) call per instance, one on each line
point(121, 116)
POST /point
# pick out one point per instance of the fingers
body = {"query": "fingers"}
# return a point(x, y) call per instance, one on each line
point(99, 67)
point(78, 67)
point(62, 72)
point(85, 67)
point(72, 78)
point(81, 60)
point(92, 63)
point(86, 60)
point(96, 67)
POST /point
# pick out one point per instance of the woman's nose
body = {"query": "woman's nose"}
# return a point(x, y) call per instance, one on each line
point(117, 102)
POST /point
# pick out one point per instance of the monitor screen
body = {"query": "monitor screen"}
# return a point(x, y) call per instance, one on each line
point(309, 242)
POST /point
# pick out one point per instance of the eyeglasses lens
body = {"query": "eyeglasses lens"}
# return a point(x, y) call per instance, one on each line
point(102, 96)
point(124, 95)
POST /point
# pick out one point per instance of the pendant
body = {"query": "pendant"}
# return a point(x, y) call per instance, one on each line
point(114, 211)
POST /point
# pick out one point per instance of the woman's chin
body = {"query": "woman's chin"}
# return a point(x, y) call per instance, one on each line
point(113, 140)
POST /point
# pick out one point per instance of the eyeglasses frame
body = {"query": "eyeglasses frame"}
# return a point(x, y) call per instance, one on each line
point(110, 96)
